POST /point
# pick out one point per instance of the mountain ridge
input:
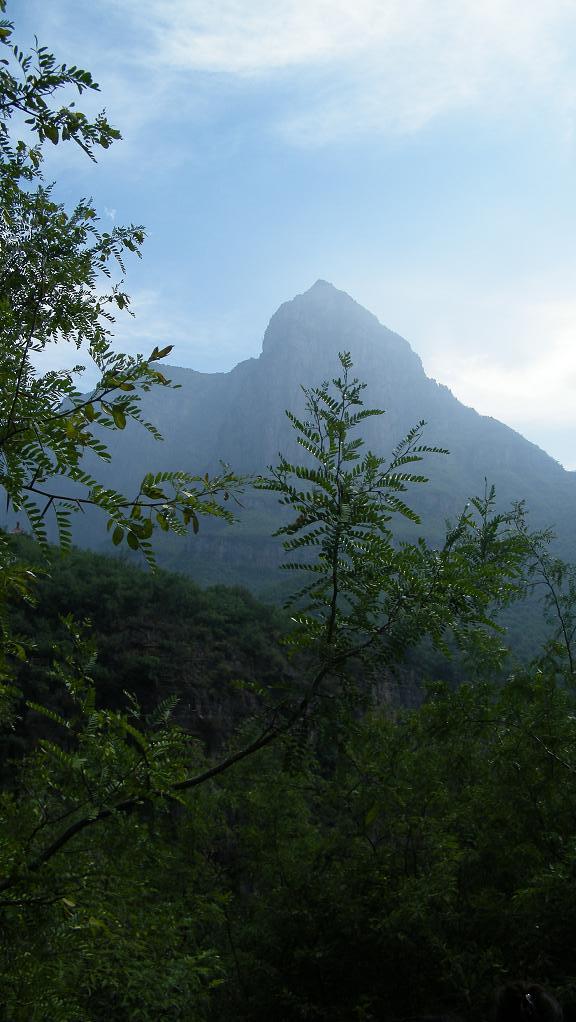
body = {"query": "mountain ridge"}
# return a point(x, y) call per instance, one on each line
point(239, 417)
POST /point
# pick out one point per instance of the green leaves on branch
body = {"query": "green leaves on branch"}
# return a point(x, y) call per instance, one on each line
point(27, 84)
point(555, 582)
point(365, 595)
point(54, 266)
point(160, 353)
point(170, 501)
point(109, 758)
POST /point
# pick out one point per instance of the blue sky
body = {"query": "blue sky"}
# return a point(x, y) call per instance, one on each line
point(419, 154)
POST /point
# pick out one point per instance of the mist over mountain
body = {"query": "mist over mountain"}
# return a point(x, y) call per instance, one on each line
point(239, 417)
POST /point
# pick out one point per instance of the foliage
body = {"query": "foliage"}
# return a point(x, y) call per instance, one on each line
point(27, 84)
point(85, 928)
point(94, 769)
point(557, 581)
point(78, 932)
point(101, 782)
point(428, 864)
point(157, 636)
point(368, 597)
point(56, 287)
point(391, 865)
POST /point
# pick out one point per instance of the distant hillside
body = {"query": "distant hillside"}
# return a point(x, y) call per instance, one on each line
point(157, 636)
point(239, 417)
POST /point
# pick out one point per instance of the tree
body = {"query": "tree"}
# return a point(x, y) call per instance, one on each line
point(60, 283)
point(410, 868)
point(54, 268)
point(366, 597)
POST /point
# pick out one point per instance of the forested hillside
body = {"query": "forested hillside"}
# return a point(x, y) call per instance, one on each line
point(156, 636)
point(371, 862)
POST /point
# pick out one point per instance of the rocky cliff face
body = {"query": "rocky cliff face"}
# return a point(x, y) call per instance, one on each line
point(239, 417)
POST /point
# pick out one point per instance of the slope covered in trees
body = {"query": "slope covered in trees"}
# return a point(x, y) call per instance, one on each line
point(157, 636)
point(371, 863)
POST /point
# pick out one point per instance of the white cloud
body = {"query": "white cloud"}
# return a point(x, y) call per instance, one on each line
point(365, 65)
point(539, 379)
point(346, 66)
point(525, 375)
point(250, 36)
point(259, 35)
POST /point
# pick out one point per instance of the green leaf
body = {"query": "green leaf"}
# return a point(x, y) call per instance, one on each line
point(118, 416)
point(51, 132)
point(372, 815)
point(160, 353)
point(146, 529)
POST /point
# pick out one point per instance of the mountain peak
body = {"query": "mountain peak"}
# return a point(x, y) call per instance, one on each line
point(238, 417)
point(324, 295)
point(324, 290)
point(314, 326)
point(322, 303)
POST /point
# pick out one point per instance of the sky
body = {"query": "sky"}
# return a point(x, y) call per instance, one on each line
point(418, 154)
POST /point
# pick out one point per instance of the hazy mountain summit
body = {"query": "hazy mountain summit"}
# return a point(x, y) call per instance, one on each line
point(239, 417)
point(305, 325)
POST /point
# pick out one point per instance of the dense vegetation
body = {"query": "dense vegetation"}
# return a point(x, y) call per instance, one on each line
point(207, 813)
point(341, 858)
point(157, 635)
point(372, 863)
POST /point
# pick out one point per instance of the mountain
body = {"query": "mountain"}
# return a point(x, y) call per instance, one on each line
point(239, 417)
